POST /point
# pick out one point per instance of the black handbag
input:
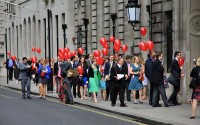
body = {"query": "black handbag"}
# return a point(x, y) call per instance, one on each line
point(193, 83)
point(172, 80)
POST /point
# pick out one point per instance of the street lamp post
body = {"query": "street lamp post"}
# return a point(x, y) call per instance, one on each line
point(64, 27)
point(86, 22)
point(113, 17)
point(133, 12)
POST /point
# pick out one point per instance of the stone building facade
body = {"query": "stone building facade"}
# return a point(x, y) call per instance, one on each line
point(174, 26)
point(2, 31)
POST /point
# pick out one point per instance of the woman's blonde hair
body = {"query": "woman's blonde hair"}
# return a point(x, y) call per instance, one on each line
point(198, 62)
point(142, 60)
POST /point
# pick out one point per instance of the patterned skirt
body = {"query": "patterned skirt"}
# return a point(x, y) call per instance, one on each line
point(196, 93)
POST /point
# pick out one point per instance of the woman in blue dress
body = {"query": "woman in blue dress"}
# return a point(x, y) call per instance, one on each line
point(135, 83)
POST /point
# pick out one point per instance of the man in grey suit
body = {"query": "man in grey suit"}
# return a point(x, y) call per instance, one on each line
point(24, 77)
point(89, 60)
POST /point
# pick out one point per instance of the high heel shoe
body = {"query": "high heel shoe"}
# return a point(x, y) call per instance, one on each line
point(94, 100)
point(84, 98)
point(135, 102)
point(192, 117)
point(140, 102)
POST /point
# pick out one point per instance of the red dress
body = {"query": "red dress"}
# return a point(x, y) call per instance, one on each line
point(196, 93)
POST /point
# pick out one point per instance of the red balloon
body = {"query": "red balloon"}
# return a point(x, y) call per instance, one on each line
point(143, 46)
point(60, 55)
point(143, 31)
point(105, 51)
point(68, 55)
point(97, 53)
point(117, 43)
point(80, 70)
point(150, 45)
point(181, 61)
point(106, 46)
point(103, 41)
point(66, 50)
point(8, 53)
point(33, 66)
point(124, 48)
point(61, 50)
point(38, 50)
point(80, 51)
point(116, 48)
point(34, 59)
point(13, 58)
point(73, 53)
point(112, 39)
point(33, 49)
point(100, 60)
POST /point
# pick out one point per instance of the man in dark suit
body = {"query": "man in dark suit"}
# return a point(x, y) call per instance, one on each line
point(157, 78)
point(118, 77)
point(148, 73)
point(56, 69)
point(126, 66)
point(107, 71)
point(176, 72)
point(68, 79)
point(24, 77)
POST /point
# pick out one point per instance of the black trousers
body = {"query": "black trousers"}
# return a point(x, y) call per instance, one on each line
point(76, 83)
point(10, 69)
point(108, 89)
point(159, 89)
point(152, 93)
point(128, 92)
point(173, 97)
point(115, 91)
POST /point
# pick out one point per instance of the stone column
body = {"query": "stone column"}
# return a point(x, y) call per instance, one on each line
point(144, 18)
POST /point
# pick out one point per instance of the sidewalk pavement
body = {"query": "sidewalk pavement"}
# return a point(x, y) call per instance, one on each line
point(177, 115)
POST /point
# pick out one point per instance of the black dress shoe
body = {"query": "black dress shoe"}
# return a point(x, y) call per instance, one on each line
point(123, 105)
point(192, 117)
point(172, 104)
point(150, 102)
point(158, 105)
point(167, 105)
point(178, 103)
point(140, 102)
point(29, 97)
point(113, 105)
point(66, 102)
point(71, 103)
point(24, 97)
point(128, 100)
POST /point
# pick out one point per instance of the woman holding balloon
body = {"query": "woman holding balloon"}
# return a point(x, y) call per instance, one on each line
point(83, 77)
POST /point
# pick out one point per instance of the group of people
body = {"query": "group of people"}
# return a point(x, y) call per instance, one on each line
point(117, 76)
